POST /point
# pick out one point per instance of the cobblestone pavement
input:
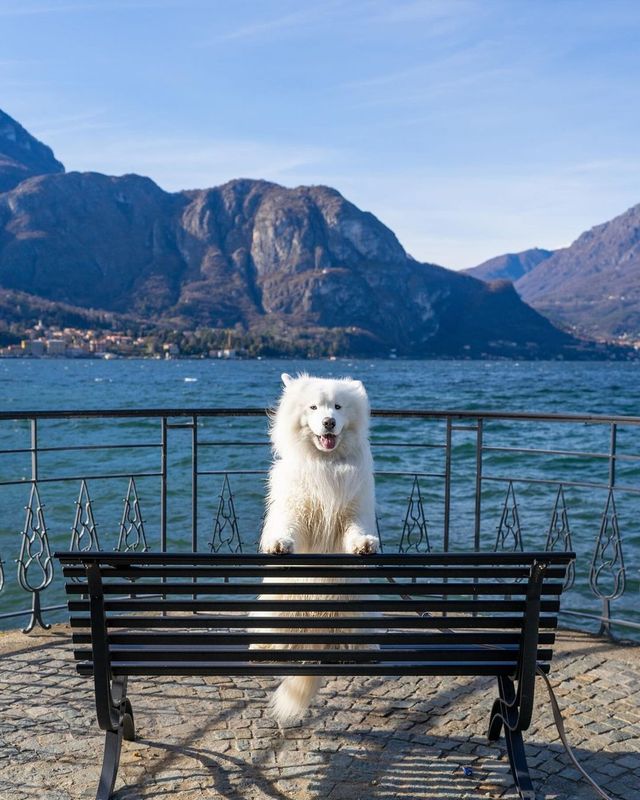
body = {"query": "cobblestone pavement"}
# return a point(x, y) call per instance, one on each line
point(210, 738)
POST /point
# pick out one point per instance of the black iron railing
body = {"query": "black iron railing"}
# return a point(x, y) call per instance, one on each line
point(193, 479)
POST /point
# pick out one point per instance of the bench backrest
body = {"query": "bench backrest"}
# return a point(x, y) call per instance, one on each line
point(448, 613)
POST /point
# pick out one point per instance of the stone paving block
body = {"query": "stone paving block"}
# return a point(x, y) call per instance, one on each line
point(364, 739)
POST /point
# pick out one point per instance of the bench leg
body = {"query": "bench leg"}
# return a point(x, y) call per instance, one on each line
point(113, 741)
point(518, 763)
point(110, 762)
point(504, 715)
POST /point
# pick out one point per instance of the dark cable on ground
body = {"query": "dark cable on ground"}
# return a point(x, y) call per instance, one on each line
point(557, 718)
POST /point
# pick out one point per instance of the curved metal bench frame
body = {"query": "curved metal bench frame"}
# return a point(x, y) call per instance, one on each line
point(511, 643)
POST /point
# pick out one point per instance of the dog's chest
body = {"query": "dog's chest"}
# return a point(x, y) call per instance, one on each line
point(321, 526)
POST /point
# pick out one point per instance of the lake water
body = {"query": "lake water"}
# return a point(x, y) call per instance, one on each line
point(557, 387)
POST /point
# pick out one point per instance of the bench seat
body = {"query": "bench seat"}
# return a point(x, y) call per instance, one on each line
point(436, 614)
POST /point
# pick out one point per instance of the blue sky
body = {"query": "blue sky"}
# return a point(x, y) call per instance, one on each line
point(470, 127)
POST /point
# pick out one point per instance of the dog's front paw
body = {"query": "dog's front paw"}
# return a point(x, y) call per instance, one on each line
point(280, 547)
point(364, 546)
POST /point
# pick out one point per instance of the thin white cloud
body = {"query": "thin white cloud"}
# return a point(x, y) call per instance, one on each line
point(54, 126)
point(23, 10)
point(453, 72)
point(443, 16)
point(177, 164)
point(400, 11)
point(18, 9)
point(11, 63)
point(307, 17)
point(269, 26)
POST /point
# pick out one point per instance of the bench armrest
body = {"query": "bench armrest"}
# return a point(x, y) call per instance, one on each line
point(107, 711)
point(529, 645)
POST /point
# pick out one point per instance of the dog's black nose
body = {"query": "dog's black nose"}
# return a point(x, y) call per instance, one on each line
point(329, 423)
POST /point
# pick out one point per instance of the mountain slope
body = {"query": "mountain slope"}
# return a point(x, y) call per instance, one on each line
point(255, 255)
point(510, 266)
point(89, 240)
point(593, 285)
point(21, 155)
point(296, 265)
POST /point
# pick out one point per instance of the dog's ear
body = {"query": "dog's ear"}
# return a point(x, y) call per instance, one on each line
point(286, 379)
point(359, 386)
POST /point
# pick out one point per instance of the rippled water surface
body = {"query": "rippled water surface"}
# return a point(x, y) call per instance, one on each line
point(403, 448)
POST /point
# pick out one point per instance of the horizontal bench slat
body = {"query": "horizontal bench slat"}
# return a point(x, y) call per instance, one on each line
point(410, 653)
point(319, 559)
point(123, 668)
point(240, 621)
point(336, 606)
point(179, 639)
point(286, 571)
point(453, 588)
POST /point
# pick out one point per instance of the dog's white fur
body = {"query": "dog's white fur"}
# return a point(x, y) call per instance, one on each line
point(321, 491)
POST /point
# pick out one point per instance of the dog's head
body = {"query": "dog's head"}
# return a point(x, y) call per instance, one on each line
point(327, 416)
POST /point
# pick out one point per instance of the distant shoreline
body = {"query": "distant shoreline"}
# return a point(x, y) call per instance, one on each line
point(630, 357)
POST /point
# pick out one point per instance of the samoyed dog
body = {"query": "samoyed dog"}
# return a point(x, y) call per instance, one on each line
point(321, 491)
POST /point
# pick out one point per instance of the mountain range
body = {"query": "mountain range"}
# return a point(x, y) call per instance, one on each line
point(591, 287)
point(22, 156)
point(510, 266)
point(249, 255)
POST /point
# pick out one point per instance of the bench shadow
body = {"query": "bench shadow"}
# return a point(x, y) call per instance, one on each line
point(423, 770)
point(41, 642)
point(366, 767)
point(215, 768)
point(416, 762)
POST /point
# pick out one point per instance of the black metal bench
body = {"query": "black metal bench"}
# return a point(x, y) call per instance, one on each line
point(442, 614)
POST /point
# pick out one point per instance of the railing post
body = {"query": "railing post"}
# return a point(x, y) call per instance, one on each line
point(194, 484)
point(612, 455)
point(478, 503)
point(447, 487)
point(34, 449)
point(163, 486)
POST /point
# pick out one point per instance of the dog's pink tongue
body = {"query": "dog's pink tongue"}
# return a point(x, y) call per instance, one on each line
point(328, 441)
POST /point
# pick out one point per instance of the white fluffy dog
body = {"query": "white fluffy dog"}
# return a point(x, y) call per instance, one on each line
point(321, 490)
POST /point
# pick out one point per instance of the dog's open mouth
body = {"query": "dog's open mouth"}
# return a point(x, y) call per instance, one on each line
point(327, 441)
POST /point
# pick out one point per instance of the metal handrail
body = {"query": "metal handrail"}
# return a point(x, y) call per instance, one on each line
point(475, 425)
point(377, 412)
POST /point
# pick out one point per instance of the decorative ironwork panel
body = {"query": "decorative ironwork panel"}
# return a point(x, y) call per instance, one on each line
point(84, 532)
point(35, 557)
point(226, 533)
point(559, 533)
point(132, 536)
point(415, 533)
point(607, 575)
point(509, 536)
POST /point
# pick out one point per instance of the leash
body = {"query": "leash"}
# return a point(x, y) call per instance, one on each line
point(559, 721)
point(555, 709)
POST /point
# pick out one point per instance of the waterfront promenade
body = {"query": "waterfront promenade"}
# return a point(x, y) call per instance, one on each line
point(379, 739)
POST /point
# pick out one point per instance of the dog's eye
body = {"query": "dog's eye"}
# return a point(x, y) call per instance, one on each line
point(313, 408)
point(338, 406)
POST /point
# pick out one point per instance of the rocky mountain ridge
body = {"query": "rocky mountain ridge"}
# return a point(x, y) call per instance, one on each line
point(257, 257)
point(510, 266)
point(591, 287)
point(22, 155)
